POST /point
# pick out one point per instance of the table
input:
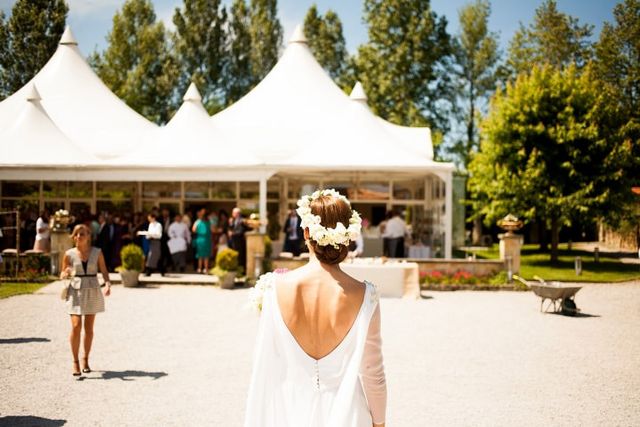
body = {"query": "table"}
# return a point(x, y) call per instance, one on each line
point(394, 279)
point(419, 251)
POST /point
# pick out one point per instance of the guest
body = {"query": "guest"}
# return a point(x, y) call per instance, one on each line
point(237, 229)
point(179, 239)
point(165, 257)
point(293, 234)
point(154, 236)
point(94, 226)
point(382, 227)
point(43, 233)
point(395, 231)
point(105, 238)
point(202, 240)
point(223, 226)
point(84, 297)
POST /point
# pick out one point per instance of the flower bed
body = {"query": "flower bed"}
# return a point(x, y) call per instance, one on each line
point(462, 280)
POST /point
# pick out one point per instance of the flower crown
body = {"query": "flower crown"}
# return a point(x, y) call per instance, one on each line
point(340, 235)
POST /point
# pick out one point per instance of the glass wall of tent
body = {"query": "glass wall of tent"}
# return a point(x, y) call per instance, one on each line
point(419, 199)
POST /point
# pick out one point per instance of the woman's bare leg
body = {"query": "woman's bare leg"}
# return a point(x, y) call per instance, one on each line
point(74, 340)
point(89, 320)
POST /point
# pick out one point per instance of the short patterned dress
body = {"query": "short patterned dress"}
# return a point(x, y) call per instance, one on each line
point(85, 296)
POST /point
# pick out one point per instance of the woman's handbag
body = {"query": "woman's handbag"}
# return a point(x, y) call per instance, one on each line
point(64, 294)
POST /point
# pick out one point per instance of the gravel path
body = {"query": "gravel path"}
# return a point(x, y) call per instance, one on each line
point(181, 355)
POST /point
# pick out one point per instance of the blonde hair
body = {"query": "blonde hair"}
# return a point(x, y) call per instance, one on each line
point(77, 229)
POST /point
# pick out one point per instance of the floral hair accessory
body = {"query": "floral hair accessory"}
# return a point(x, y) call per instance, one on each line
point(340, 234)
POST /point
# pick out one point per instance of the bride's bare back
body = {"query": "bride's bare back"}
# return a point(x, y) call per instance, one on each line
point(319, 305)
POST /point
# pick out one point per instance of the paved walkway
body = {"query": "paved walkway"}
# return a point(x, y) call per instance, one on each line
point(181, 356)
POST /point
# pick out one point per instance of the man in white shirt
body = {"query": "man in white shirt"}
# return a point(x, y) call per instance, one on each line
point(394, 232)
point(179, 239)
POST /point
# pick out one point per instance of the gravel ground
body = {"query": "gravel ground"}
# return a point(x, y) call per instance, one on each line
point(181, 355)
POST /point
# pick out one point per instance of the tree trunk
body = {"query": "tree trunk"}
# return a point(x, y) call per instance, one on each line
point(555, 237)
point(542, 235)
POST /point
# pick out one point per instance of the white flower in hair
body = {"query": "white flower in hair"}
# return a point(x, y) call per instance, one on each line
point(323, 236)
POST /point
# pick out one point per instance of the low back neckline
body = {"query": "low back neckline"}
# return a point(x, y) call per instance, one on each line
point(342, 341)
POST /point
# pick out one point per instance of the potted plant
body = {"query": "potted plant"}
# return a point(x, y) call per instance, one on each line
point(132, 264)
point(226, 268)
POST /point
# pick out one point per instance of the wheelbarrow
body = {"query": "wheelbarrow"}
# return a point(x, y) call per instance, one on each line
point(560, 296)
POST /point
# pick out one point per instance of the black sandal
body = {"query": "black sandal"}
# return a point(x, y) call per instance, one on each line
point(76, 373)
point(86, 368)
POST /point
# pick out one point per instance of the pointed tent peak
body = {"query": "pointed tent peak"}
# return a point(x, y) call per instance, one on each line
point(33, 94)
point(192, 94)
point(68, 38)
point(298, 35)
point(357, 93)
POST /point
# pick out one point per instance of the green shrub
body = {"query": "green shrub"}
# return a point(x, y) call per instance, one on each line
point(132, 258)
point(227, 259)
point(498, 279)
point(217, 271)
point(267, 263)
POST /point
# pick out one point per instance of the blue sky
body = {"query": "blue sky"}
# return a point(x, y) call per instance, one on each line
point(91, 19)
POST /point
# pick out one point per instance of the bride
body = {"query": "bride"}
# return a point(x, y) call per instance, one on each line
point(318, 359)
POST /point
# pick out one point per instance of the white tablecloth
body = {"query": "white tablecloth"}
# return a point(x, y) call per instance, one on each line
point(395, 280)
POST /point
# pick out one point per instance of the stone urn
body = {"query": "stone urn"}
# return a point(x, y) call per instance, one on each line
point(228, 280)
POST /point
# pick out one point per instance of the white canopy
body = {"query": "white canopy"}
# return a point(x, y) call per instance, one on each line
point(33, 139)
point(80, 105)
point(298, 118)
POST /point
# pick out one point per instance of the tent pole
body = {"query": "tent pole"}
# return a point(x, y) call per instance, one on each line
point(263, 204)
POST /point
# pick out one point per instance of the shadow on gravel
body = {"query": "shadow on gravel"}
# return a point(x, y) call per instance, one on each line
point(127, 375)
point(425, 296)
point(577, 315)
point(30, 420)
point(22, 341)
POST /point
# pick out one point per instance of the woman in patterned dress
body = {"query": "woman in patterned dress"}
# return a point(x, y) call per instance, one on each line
point(84, 298)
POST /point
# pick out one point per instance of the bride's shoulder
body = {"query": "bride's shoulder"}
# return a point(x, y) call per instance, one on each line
point(374, 292)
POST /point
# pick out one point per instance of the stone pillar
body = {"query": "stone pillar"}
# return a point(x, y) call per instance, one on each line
point(255, 245)
point(60, 243)
point(510, 245)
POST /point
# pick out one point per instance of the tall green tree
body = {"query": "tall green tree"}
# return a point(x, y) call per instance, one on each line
point(326, 41)
point(476, 56)
point(266, 37)
point(238, 76)
point(618, 68)
point(553, 38)
point(200, 48)
point(543, 155)
point(28, 38)
point(137, 65)
point(403, 65)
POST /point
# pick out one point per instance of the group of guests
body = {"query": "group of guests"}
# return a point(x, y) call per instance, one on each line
point(170, 241)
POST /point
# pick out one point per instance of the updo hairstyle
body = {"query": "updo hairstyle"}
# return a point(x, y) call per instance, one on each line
point(331, 211)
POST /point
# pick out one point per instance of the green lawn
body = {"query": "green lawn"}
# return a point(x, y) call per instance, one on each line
point(533, 262)
point(9, 289)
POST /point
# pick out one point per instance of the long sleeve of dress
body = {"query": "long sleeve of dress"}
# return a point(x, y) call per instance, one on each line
point(372, 371)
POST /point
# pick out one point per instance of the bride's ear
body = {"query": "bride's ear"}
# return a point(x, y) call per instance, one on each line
point(306, 234)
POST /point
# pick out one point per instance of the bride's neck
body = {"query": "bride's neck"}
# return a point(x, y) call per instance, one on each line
point(315, 264)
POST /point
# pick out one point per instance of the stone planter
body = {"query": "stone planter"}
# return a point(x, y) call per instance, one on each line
point(228, 280)
point(129, 278)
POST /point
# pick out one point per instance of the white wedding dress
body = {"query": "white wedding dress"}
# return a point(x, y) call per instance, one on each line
point(289, 388)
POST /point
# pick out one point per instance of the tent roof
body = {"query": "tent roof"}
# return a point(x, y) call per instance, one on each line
point(297, 117)
point(33, 139)
point(81, 105)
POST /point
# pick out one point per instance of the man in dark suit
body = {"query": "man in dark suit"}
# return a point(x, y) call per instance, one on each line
point(105, 239)
point(237, 242)
point(293, 234)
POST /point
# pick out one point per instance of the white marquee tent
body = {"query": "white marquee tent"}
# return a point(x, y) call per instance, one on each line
point(295, 120)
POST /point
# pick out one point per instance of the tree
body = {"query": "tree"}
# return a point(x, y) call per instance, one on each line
point(543, 155)
point(200, 48)
point(266, 37)
point(28, 39)
point(553, 37)
point(238, 76)
point(476, 57)
point(137, 65)
point(403, 65)
point(618, 69)
point(326, 41)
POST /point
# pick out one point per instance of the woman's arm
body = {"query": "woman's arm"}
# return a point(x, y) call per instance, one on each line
point(105, 274)
point(66, 268)
point(372, 372)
